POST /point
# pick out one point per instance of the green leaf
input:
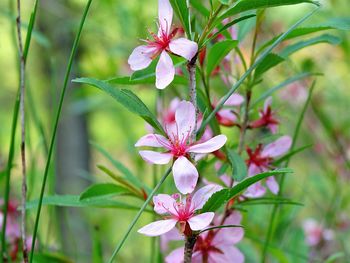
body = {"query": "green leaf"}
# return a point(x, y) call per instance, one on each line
point(51, 257)
point(334, 23)
point(291, 153)
point(220, 198)
point(227, 26)
point(73, 201)
point(126, 98)
point(239, 168)
point(103, 191)
point(334, 257)
point(246, 5)
point(218, 52)
point(128, 175)
point(326, 38)
point(283, 84)
point(270, 61)
point(181, 10)
point(196, 4)
point(269, 201)
point(126, 80)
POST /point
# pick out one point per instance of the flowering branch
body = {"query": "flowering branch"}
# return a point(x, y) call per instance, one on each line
point(189, 245)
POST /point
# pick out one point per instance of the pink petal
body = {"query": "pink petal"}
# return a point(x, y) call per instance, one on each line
point(176, 256)
point(227, 115)
point(164, 203)
point(201, 221)
point(141, 57)
point(272, 184)
point(273, 128)
point(203, 194)
point(212, 145)
point(234, 100)
point(230, 236)
point(254, 191)
point(165, 71)
point(185, 118)
point(185, 175)
point(278, 147)
point(230, 254)
point(156, 157)
point(153, 140)
point(165, 16)
point(253, 170)
point(158, 228)
point(184, 48)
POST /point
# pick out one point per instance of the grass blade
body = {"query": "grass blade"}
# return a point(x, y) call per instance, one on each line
point(58, 114)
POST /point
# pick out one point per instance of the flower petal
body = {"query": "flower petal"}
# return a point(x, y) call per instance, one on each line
point(278, 147)
point(164, 203)
point(158, 228)
point(229, 254)
point(232, 235)
point(185, 118)
point(176, 256)
point(272, 184)
point(185, 175)
point(253, 170)
point(203, 194)
point(165, 16)
point(156, 157)
point(201, 221)
point(165, 71)
point(209, 146)
point(184, 48)
point(141, 57)
point(254, 191)
point(234, 100)
point(153, 140)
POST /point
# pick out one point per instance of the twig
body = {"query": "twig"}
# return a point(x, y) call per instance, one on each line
point(23, 146)
point(189, 245)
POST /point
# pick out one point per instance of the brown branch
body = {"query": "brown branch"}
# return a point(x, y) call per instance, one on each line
point(189, 245)
point(22, 114)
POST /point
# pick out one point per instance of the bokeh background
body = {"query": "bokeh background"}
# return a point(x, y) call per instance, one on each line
point(112, 30)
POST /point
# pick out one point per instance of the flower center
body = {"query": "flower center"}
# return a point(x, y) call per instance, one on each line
point(256, 158)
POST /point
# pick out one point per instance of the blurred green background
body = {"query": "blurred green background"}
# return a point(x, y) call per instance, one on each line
point(112, 30)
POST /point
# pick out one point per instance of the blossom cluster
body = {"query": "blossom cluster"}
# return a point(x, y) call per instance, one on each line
point(180, 213)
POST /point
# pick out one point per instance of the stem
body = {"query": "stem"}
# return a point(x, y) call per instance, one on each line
point(191, 67)
point(23, 145)
point(13, 133)
point(245, 122)
point(275, 207)
point(58, 114)
point(136, 218)
point(189, 245)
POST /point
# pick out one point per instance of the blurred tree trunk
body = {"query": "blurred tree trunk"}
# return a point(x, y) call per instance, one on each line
point(58, 20)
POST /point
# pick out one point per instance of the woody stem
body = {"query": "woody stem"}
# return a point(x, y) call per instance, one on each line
point(189, 245)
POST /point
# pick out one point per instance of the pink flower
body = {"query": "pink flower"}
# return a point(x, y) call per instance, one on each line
point(226, 116)
point(315, 232)
point(267, 118)
point(178, 145)
point(162, 44)
point(261, 159)
point(176, 210)
point(215, 246)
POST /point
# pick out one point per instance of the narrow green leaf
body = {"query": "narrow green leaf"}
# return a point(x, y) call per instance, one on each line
point(51, 257)
point(334, 23)
point(283, 84)
point(291, 153)
point(103, 190)
point(270, 61)
point(126, 80)
point(218, 52)
point(197, 5)
point(181, 10)
point(126, 98)
point(269, 201)
point(239, 168)
point(220, 198)
point(246, 5)
point(73, 201)
point(326, 38)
